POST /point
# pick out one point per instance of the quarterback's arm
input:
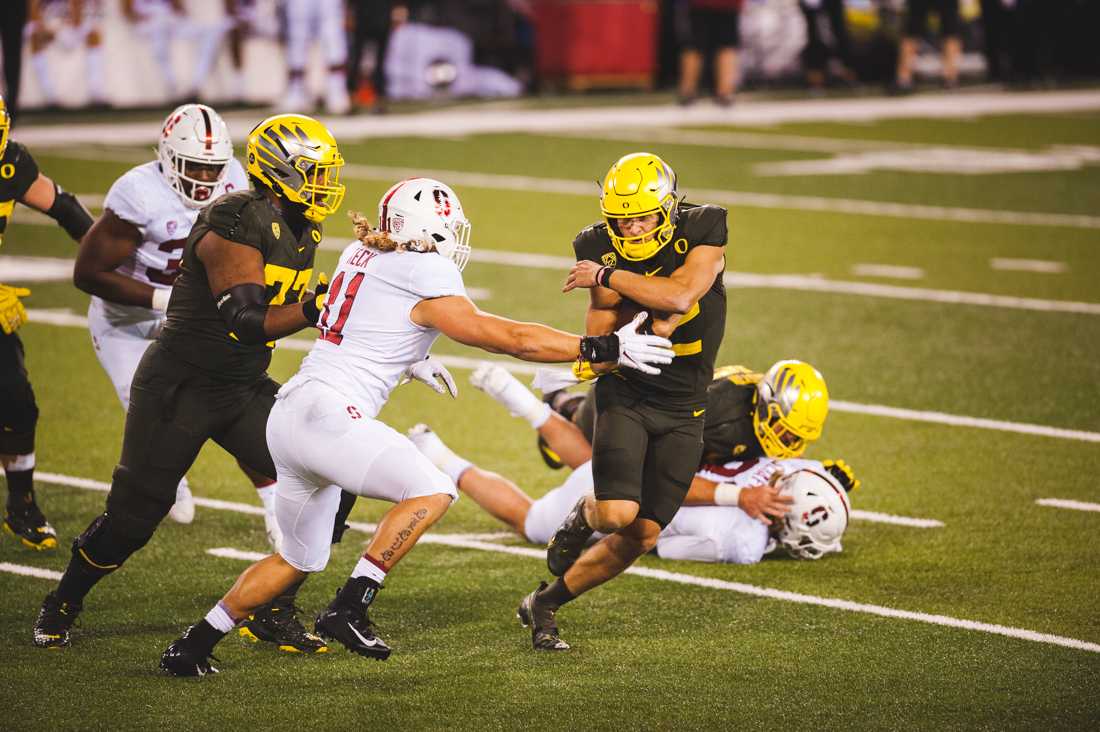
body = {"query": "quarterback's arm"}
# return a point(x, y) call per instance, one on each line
point(109, 243)
point(61, 206)
point(236, 275)
point(458, 318)
point(676, 293)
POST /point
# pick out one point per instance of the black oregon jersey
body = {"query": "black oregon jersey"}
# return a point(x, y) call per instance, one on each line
point(18, 172)
point(728, 432)
point(195, 331)
point(698, 335)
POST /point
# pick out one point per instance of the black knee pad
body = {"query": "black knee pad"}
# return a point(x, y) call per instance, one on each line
point(138, 503)
point(347, 502)
point(104, 546)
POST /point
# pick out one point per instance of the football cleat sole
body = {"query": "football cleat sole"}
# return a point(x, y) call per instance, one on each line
point(247, 634)
point(50, 542)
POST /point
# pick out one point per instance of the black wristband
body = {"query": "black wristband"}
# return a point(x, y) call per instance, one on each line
point(600, 349)
point(603, 276)
point(310, 309)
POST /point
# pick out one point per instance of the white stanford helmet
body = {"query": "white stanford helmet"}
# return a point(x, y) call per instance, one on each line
point(428, 213)
point(818, 517)
point(194, 134)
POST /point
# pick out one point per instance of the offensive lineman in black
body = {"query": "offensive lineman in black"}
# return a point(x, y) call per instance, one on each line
point(20, 180)
point(242, 285)
point(654, 253)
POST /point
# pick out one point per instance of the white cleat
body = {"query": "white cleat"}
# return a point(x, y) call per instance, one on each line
point(183, 510)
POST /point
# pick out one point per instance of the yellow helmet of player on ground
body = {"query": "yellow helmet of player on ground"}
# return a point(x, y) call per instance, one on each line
point(5, 127)
point(297, 157)
point(791, 405)
point(639, 184)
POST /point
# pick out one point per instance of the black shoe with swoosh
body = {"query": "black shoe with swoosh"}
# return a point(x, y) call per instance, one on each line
point(352, 628)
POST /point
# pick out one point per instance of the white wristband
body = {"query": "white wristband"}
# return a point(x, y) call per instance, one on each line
point(160, 298)
point(727, 494)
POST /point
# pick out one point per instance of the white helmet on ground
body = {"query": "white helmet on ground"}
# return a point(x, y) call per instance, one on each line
point(194, 151)
point(818, 517)
point(426, 212)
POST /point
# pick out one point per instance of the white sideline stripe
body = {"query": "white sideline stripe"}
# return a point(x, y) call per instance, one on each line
point(29, 571)
point(69, 319)
point(503, 117)
point(1066, 503)
point(808, 283)
point(773, 594)
point(887, 270)
point(660, 574)
point(961, 421)
point(886, 518)
point(1043, 266)
point(226, 552)
point(739, 198)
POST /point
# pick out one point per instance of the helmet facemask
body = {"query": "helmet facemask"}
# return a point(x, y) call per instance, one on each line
point(194, 151)
point(297, 158)
point(321, 191)
point(638, 185)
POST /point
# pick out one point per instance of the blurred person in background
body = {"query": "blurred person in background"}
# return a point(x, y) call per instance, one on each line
point(709, 25)
point(996, 19)
point(244, 18)
point(160, 22)
point(13, 18)
point(322, 21)
point(70, 24)
point(818, 51)
point(372, 22)
point(916, 27)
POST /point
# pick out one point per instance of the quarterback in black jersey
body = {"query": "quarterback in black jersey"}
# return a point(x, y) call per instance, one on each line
point(242, 285)
point(652, 253)
point(21, 181)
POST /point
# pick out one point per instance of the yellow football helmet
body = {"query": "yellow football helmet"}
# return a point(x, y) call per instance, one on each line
point(297, 157)
point(639, 184)
point(5, 127)
point(791, 405)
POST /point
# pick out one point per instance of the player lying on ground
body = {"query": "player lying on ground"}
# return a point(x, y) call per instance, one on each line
point(393, 292)
point(131, 256)
point(726, 515)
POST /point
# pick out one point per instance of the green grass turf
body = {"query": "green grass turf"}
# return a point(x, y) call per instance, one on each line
point(652, 654)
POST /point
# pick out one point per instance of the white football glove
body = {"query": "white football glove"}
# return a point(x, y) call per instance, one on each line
point(549, 380)
point(430, 371)
point(639, 350)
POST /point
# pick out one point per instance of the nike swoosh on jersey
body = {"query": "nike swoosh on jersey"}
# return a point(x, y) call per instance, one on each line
point(650, 274)
point(697, 412)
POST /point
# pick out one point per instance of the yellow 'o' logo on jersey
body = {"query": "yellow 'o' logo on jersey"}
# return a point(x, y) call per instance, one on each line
point(681, 245)
point(276, 230)
point(316, 236)
point(7, 170)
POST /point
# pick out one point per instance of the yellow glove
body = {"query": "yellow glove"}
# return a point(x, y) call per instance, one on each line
point(583, 371)
point(843, 473)
point(12, 312)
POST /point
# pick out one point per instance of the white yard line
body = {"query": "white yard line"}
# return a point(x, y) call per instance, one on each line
point(29, 571)
point(499, 118)
point(69, 319)
point(1065, 503)
point(1042, 266)
point(886, 518)
point(464, 542)
point(887, 270)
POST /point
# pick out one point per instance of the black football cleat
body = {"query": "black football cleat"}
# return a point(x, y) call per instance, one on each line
point(30, 527)
point(278, 623)
point(186, 657)
point(55, 618)
point(539, 617)
point(353, 629)
point(568, 541)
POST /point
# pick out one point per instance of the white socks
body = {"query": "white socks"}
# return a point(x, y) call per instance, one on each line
point(368, 569)
point(441, 456)
point(495, 381)
point(220, 619)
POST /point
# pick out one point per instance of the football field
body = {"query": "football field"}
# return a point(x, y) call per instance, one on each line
point(941, 270)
